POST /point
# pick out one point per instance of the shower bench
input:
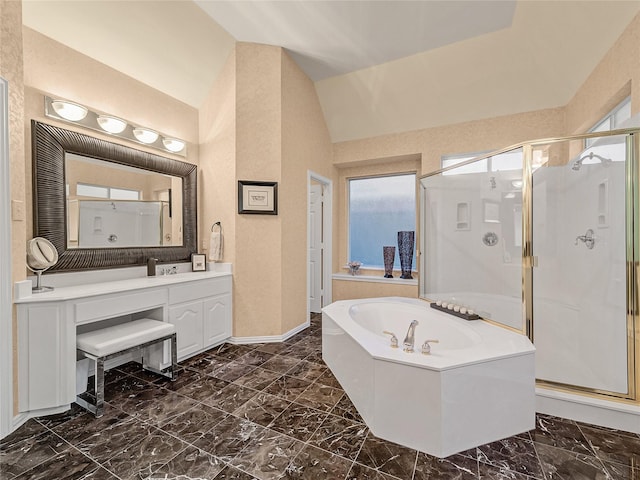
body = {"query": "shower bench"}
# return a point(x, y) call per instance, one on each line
point(111, 342)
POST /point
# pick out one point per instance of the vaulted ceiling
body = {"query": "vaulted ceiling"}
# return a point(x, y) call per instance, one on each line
point(379, 66)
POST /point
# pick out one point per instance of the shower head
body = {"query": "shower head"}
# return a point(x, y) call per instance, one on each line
point(578, 163)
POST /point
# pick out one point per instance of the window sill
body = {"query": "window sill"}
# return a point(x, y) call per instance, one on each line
point(373, 279)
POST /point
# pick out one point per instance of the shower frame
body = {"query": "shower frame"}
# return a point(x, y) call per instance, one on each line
point(529, 260)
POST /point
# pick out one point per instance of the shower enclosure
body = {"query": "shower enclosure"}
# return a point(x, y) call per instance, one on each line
point(542, 237)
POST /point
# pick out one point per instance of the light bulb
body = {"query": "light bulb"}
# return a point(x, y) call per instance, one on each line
point(69, 110)
point(111, 124)
point(173, 144)
point(144, 135)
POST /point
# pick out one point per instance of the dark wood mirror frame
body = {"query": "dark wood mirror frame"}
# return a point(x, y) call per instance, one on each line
point(50, 144)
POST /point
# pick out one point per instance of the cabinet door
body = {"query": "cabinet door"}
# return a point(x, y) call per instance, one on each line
point(46, 358)
point(217, 319)
point(187, 317)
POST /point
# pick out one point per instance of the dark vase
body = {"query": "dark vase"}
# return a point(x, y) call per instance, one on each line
point(389, 255)
point(405, 250)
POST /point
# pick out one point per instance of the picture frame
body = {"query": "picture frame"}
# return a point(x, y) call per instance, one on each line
point(257, 197)
point(198, 262)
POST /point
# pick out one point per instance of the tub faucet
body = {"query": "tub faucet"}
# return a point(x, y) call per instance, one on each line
point(410, 340)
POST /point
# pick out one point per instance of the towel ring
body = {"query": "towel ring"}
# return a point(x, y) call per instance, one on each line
point(217, 224)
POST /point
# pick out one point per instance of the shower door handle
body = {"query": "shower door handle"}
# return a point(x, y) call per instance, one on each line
point(531, 262)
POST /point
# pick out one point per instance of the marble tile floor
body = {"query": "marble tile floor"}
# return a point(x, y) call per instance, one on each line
point(274, 411)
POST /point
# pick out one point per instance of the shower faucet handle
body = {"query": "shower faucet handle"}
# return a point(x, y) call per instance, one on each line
point(394, 339)
point(588, 239)
point(426, 348)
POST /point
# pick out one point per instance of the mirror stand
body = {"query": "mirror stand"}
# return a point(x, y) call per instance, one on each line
point(39, 288)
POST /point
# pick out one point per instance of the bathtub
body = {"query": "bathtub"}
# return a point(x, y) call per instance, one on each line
point(476, 386)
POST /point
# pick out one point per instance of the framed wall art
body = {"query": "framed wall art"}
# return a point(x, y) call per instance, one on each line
point(258, 197)
point(198, 262)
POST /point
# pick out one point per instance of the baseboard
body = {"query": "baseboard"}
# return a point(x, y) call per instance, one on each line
point(269, 338)
point(23, 418)
point(605, 413)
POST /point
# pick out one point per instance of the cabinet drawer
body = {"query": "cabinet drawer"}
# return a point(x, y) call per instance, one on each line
point(200, 289)
point(113, 305)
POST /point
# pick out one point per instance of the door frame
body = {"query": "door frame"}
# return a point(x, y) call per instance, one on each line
point(6, 302)
point(327, 235)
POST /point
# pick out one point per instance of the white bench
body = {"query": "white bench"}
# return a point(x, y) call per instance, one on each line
point(106, 343)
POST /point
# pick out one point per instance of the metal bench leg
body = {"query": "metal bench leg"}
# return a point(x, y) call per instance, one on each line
point(174, 356)
point(99, 387)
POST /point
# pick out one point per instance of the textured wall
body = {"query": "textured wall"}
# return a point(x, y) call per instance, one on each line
point(258, 264)
point(305, 146)
point(347, 289)
point(616, 77)
point(218, 159)
point(11, 68)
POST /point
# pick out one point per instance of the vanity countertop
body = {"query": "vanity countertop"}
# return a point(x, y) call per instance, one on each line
point(116, 286)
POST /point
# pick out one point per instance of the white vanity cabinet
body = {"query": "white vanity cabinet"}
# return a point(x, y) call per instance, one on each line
point(198, 304)
point(201, 314)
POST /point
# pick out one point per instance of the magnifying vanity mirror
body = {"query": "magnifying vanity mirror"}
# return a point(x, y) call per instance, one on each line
point(41, 255)
point(105, 205)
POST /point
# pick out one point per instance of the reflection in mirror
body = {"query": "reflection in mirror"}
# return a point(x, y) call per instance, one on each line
point(111, 205)
point(471, 238)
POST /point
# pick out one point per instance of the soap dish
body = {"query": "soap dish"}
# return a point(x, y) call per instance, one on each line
point(466, 316)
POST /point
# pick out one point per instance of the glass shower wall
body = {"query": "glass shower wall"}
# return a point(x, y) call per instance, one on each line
point(471, 237)
point(555, 256)
point(579, 283)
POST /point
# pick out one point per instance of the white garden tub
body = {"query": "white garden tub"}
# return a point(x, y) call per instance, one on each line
point(476, 386)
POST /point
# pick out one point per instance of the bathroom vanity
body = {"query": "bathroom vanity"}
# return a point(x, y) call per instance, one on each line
point(199, 304)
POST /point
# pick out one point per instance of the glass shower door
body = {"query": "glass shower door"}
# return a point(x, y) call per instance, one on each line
point(580, 327)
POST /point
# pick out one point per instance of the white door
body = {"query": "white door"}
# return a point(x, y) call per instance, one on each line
point(315, 248)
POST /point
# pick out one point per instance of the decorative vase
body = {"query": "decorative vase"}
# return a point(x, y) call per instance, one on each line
point(405, 250)
point(389, 255)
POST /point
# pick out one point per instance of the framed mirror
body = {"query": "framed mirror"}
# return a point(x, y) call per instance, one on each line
point(104, 205)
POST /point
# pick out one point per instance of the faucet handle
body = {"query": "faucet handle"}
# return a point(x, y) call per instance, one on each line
point(426, 348)
point(394, 339)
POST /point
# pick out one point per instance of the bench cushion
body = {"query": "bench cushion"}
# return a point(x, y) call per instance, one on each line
point(116, 338)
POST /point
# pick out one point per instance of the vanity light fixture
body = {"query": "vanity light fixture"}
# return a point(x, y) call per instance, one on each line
point(145, 135)
point(82, 116)
point(111, 124)
point(173, 144)
point(69, 110)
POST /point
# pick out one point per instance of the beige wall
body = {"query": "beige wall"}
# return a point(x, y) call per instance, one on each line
point(258, 264)
point(217, 184)
point(11, 68)
point(616, 77)
point(305, 146)
point(262, 121)
point(347, 290)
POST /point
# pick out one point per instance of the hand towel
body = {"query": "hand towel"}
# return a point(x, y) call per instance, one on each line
point(215, 246)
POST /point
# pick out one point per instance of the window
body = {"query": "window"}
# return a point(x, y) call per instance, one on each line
point(379, 207)
point(611, 120)
point(511, 160)
point(98, 191)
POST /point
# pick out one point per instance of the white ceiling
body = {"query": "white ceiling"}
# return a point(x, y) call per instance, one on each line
point(379, 66)
point(328, 38)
